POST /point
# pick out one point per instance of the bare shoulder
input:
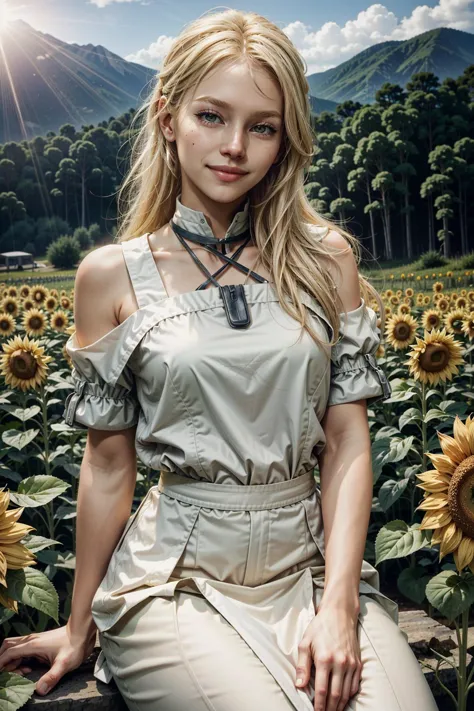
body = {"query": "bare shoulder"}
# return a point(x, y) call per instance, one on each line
point(98, 287)
point(344, 272)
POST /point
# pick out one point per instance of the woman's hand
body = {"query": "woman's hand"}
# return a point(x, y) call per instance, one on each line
point(330, 641)
point(58, 648)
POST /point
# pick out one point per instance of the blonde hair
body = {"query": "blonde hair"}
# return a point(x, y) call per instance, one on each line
point(280, 213)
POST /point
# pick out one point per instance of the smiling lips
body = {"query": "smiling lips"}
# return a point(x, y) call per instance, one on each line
point(227, 174)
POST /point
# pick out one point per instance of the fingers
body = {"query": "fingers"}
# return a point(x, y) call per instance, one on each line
point(303, 666)
point(13, 652)
point(51, 678)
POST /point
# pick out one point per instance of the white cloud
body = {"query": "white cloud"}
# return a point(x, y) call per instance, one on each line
point(104, 3)
point(333, 44)
point(153, 55)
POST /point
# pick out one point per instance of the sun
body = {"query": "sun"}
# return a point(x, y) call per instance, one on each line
point(6, 15)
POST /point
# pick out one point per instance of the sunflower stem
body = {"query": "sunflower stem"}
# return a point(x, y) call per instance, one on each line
point(424, 439)
point(463, 682)
point(49, 507)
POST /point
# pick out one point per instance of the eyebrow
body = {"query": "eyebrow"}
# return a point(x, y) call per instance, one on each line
point(225, 105)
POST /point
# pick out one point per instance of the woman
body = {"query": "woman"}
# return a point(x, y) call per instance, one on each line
point(225, 588)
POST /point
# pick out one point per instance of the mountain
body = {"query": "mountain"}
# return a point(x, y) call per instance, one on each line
point(45, 83)
point(444, 51)
point(318, 105)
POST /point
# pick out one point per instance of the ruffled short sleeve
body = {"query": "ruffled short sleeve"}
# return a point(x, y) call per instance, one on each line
point(94, 402)
point(355, 373)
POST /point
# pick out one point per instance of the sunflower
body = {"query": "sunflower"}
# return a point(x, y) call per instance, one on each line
point(426, 300)
point(10, 305)
point(403, 309)
point(28, 304)
point(453, 320)
point(59, 320)
point(23, 363)
point(438, 287)
point(50, 303)
point(431, 318)
point(24, 291)
point(7, 324)
point(389, 293)
point(394, 300)
point(468, 325)
point(435, 357)
point(39, 294)
point(65, 302)
point(409, 292)
point(461, 303)
point(401, 330)
point(448, 495)
point(34, 322)
point(13, 554)
point(443, 304)
point(470, 296)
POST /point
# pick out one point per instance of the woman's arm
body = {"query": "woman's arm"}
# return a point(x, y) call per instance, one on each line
point(345, 467)
point(108, 470)
point(346, 499)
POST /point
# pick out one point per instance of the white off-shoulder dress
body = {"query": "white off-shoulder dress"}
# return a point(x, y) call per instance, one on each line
point(231, 418)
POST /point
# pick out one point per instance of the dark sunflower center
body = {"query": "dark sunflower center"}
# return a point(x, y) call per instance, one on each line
point(461, 496)
point(433, 320)
point(35, 322)
point(402, 331)
point(23, 365)
point(435, 357)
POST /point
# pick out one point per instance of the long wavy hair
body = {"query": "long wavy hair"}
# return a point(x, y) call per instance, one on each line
point(281, 216)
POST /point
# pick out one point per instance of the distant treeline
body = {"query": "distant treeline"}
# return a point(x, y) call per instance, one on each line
point(397, 173)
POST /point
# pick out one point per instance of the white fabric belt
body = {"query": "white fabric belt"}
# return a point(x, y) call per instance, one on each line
point(236, 497)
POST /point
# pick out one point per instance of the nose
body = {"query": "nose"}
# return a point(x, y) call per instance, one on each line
point(236, 143)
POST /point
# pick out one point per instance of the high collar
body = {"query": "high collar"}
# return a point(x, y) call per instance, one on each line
point(195, 221)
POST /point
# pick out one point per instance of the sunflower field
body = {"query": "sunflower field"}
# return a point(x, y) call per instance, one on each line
point(422, 523)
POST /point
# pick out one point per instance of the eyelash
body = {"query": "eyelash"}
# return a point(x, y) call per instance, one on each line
point(213, 113)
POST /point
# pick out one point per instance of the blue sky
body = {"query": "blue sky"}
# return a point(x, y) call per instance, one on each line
point(326, 33)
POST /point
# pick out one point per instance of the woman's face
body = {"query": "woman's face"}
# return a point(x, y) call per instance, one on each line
point(246, 133)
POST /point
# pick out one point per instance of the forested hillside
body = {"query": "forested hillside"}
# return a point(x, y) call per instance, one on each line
point(398, 173)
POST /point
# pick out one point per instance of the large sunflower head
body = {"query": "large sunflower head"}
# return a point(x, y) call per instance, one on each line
point(23, 363)
point(438, 287)
point(401, 330)
point(435, 357)
point(443, 304)
point(13, 554)
point(448, 499)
